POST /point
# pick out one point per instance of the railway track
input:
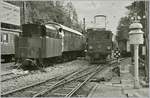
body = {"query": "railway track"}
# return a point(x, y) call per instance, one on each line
point(10, 75)
point(30, 90)
point(68, 88)
point(55, 84)
point(64, 86)
point(72, 86)
point(50, 91)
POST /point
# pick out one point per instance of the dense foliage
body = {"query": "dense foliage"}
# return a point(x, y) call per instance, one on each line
point(123, 27)
point(45, 11)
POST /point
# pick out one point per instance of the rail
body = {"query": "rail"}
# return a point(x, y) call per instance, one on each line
point(6, 73)
point(9, 76)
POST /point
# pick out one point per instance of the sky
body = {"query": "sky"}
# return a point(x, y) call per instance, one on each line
point(113, 9)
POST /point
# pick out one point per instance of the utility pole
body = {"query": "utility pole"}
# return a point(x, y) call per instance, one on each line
point(146, 38)
point(70, 13)
point(23, 11)
point(84, 25)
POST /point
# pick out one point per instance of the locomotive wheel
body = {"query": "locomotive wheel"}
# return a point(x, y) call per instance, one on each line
point(64, 58)
point(59, 60)
point(29, 64)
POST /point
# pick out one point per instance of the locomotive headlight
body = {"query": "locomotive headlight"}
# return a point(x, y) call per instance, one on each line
point(90, 47)
point(85, 50)
point(108, 47)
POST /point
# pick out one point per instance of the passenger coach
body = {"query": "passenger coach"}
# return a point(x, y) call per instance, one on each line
point(9, 30)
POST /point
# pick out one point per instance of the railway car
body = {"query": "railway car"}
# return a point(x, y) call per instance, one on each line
point(99, 44)
point(72, 43)
point(10, 29)
point(8, 44)
point(49, 41)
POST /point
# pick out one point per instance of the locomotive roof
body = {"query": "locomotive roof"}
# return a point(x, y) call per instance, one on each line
point(50, 27)
point(65, 28)
point(69, 29)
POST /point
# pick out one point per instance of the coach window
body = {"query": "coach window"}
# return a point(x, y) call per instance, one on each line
point(51, 33)
point(5, 38)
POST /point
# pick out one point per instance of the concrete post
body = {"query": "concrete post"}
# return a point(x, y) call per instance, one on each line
point(136, 66)
point(136, 38)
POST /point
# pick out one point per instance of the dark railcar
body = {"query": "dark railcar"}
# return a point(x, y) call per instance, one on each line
point(7, 42)
point(72, 43)
point(39, 42)
point(9, 30)
point(51, 40)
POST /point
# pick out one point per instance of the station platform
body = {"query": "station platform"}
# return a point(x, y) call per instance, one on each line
point(122, 86)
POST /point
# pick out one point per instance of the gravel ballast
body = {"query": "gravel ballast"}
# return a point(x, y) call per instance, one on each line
point(52, 71)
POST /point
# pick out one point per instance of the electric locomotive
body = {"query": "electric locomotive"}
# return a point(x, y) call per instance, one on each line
point(99, 43)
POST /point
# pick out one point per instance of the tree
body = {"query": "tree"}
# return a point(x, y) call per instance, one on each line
point(123, 28)
point(44, 11)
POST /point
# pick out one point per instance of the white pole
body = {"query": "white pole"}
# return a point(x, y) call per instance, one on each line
point(136, 67)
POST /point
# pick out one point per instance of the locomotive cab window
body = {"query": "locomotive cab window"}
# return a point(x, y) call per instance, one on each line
point(31, 30)
point(43, 31)
point(52, 31)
